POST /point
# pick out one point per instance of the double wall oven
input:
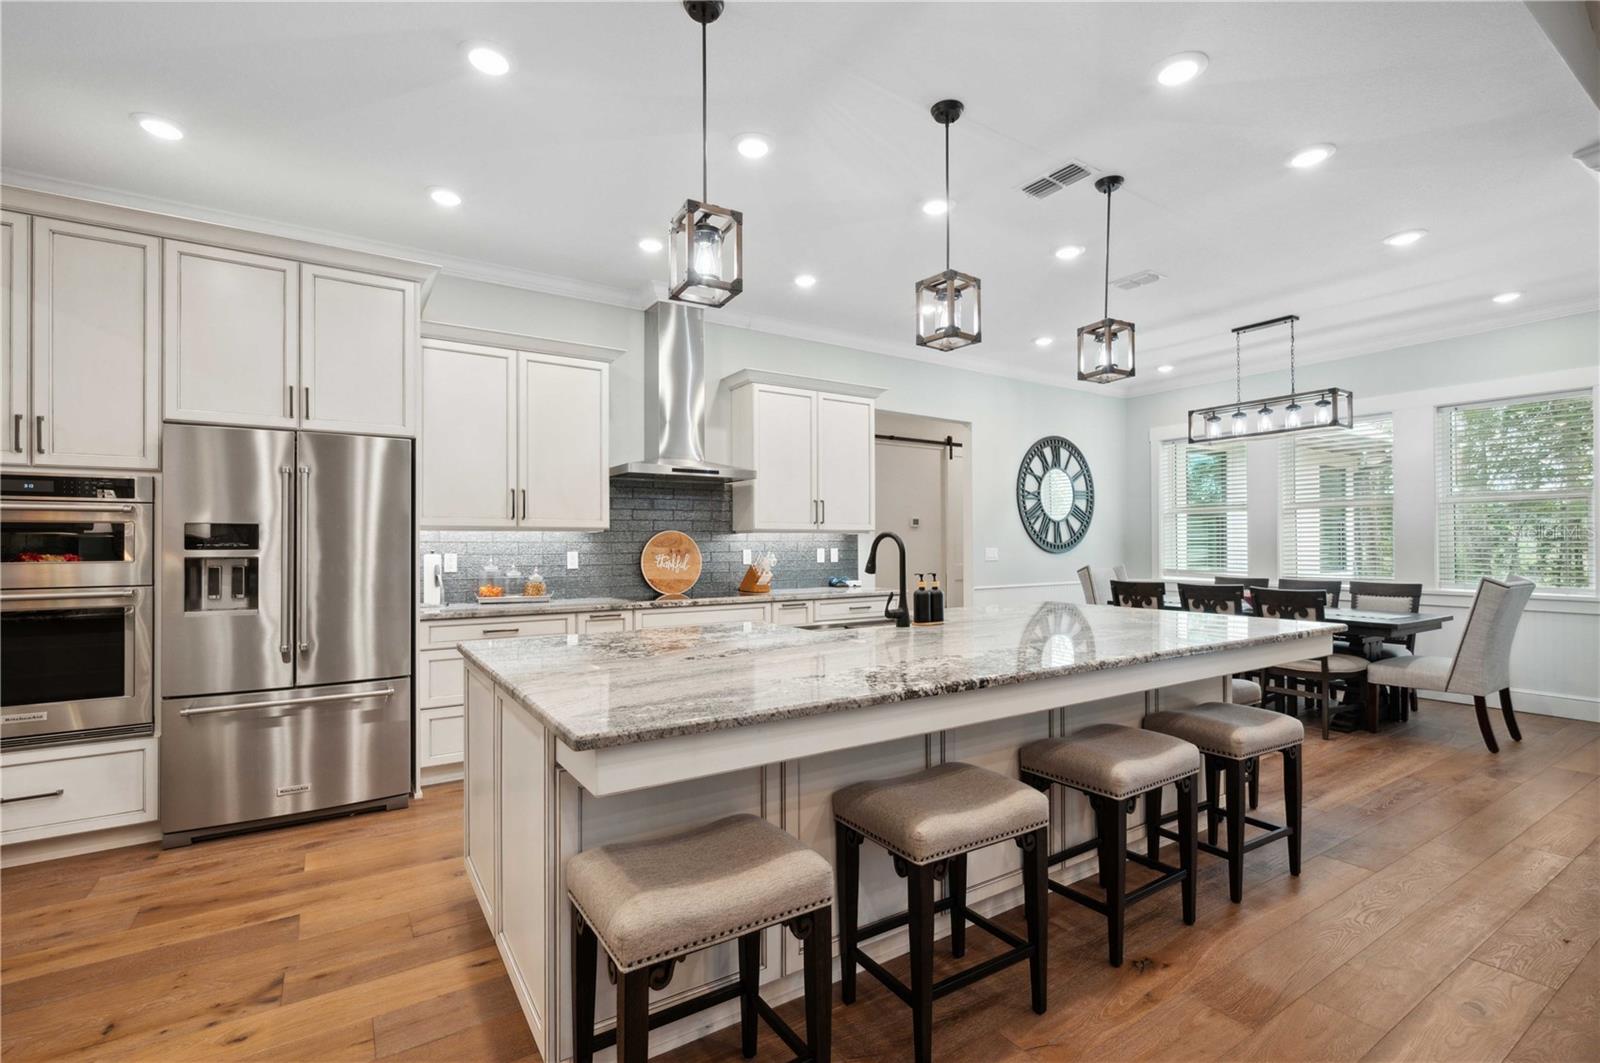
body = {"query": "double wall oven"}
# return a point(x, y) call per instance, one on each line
point(76, 612)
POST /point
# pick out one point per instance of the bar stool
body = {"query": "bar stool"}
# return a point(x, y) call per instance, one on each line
point(649, 904)
point(929, 821)
point(1232, 739)
point(1114, 766)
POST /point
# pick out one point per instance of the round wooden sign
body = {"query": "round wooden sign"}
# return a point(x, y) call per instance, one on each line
point(670, 562)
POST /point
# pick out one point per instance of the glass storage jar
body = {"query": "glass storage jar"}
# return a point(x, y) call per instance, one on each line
point(491, 584)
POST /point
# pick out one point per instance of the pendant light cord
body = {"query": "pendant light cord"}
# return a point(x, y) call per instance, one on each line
point(1238, 385)
point(1291, 362)
point(1106, 289)
point(947, 197)
point(705, 164)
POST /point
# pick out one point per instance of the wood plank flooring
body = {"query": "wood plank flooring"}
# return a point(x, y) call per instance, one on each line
point(1449, 909)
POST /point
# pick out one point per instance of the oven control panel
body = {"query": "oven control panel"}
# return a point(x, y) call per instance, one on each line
point(126, 488)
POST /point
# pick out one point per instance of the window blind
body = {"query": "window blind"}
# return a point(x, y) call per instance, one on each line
point(1204, 518)
point(1337, 496)
point(1516, 491)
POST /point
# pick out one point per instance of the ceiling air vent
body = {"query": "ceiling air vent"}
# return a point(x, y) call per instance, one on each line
point(1056, 180)
point(1136, 280)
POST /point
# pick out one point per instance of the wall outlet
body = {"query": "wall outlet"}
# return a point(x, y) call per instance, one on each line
point(822, 555)
point(572, 559)
point(747, 556)
point(991, 553)
point(451, 563)
point(833, 554)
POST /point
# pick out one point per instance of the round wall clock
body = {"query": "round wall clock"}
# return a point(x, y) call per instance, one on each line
point(1055, 494)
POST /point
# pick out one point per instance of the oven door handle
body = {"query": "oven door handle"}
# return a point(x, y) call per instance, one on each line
point(355, 695)
point(73, 507)
point(60, 596)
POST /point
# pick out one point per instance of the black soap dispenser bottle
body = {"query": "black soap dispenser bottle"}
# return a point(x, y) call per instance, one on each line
point(935, 601)
point(921, 606)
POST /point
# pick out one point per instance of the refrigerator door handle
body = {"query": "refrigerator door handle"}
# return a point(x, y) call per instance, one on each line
point(285, 617)
point(302, 505)
point(356, 695)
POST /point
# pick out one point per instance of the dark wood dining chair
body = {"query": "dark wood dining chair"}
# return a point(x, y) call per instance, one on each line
point(1330, 587)
point(1138, 593)
point(1382, 597)
point(1313, 678)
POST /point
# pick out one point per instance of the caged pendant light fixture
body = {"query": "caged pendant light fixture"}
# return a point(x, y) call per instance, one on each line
point(1294, 412)
point(949, 304)
point(1105, 347)
point(706, 261)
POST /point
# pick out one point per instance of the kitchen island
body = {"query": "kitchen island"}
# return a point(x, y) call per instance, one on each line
point(578, 740)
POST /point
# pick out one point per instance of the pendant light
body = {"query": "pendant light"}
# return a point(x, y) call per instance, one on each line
point(949, 304)
point(1105, 347)
point(1328, 407)
point(706, 263)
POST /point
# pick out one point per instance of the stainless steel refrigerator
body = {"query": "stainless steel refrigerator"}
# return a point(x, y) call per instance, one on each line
point(286, 627)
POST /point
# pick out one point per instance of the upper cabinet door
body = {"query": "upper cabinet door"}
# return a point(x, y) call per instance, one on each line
point(358, 352)
point(845, 460)
point(14, 336)
point(96, 346)
point(231, 337)
point(469, 437)
point(784, 453)
point(565, 473)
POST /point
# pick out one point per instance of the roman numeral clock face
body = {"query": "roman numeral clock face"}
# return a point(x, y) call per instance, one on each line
point(1055, 494)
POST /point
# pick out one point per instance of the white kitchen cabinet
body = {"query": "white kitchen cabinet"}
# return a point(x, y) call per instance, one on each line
point(791, 614)
point(95, 365)
point(58, 790)
point(469, 436)
point(811, 445)
point(440, 734)
point(231, 336)
point(564, 454)
point(700, 615)
point(358, 351)
point(482, 748)
point(14, 234)
point(598, 623)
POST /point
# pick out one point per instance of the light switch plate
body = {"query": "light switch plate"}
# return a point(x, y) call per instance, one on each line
point(991, 553)
point(833, 554)
point(450, 563)
point(822, 555)
point(572, 559)
point(747, 555)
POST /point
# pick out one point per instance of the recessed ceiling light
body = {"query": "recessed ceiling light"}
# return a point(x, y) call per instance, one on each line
point(1405, 238)
point(805, 280)
point(1043, 341)
point(1164, 368)
point(488, 61)
point(1315, 155)
point(752, 145)
point(1181, 68)
point(650, 245)
point(1508, 297)
point(1070, 252)
point(160, 128)
point(935, 207)
point(444, 197)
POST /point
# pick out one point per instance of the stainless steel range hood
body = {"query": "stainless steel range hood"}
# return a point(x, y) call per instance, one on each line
point(675, 401)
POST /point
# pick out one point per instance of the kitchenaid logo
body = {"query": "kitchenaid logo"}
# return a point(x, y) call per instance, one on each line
point(25, 717)
point(297, 788)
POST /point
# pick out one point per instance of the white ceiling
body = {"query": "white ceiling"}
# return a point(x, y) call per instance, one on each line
point(1454, 117)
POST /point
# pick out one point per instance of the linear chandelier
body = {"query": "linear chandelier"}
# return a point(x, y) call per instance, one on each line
point(1297, 411)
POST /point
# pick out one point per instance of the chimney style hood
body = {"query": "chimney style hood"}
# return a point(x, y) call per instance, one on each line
point(675, 401)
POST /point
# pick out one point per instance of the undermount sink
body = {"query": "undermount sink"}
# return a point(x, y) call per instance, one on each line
point(845, 625)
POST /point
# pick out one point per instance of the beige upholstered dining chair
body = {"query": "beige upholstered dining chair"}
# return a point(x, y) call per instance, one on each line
point(1482, 662)
point(1096, 582)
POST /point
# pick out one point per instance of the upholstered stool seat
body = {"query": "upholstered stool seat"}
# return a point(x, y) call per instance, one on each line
point(1340, 665)
point(1232, 739)
point(949, 809)
point(929, 821)
point(650, 903)
point(1114, 766)
point(1246, 692)
point(1110, 760)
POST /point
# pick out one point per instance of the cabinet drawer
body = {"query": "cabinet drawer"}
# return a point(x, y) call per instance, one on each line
point(598, 622)
point(78, 791)
point(440, 736)
point(440, 634)
point(791, 613)
point(849, 608)
point(700, 615)
point(441, 679)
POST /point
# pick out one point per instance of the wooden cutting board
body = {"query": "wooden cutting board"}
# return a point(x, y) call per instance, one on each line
point(670, 562)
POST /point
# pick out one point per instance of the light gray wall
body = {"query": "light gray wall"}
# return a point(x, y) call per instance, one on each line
point(1505, 354)
point(1006, 415)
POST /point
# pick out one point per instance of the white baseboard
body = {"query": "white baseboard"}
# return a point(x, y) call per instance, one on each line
point(1537, 703)
point(442, 773)
point(19, 853)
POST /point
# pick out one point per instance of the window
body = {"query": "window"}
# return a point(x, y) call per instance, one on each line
point(1204, 521)
point(1337, 495)
point(1516, 491)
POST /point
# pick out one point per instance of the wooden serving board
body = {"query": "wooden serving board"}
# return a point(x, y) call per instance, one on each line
point(670, 562)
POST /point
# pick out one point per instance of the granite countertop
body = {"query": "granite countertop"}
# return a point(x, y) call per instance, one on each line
point(472, 610)
point(595, 691)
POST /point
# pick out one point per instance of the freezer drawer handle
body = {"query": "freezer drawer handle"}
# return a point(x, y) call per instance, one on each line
point(31, 797)
point(359, 695)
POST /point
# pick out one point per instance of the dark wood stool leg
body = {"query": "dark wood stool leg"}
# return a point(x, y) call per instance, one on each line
point(919, 894)
point(1483, 724)
point(1253, 777)
point(1188, 853)
point(1035, 900)
point(819, 984)
point(1116, 876)
point(956, 888)
point(585, 952)
point(1291, 804)
point(1234, 772)
point(749, 988)
point(1213, 798)
point(633, 1016)
point(847, 869)
point(1371, 720)
point(1511, 718)
point(1152, 823)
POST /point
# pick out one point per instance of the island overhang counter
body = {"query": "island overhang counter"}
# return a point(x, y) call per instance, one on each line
point(577, 740)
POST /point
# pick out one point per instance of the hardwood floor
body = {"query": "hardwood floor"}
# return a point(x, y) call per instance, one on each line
point(1449, 909)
